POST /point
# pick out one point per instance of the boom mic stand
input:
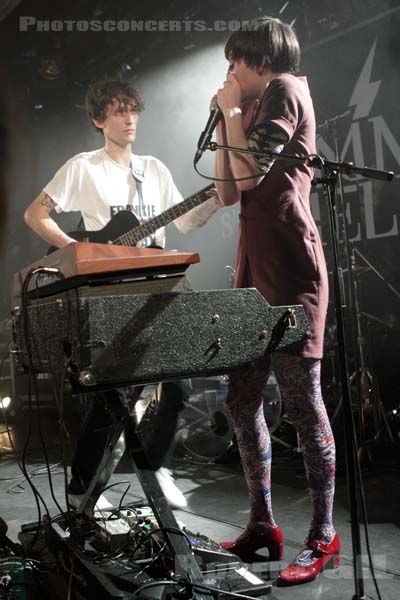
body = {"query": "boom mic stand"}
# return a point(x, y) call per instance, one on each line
point(330, 171)
point(361, 376)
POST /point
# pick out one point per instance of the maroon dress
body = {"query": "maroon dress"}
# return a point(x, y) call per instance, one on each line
point(279, 250)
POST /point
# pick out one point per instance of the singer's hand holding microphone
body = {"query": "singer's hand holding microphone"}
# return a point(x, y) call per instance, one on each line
point(206, 135)
point(230, 96)
point(227, 98)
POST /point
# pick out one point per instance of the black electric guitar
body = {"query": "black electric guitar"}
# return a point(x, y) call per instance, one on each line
point(125, 229)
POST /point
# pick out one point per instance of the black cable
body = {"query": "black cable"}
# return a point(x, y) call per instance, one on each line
point(161, 530)
point(38, 412)
point(56, 395)
point(93, 555)
point(365, 522)
point(229, 179)
point(192, 586)
point(151, 584)
point(11, 478)
point(122, 498)
point(29, 565)
point(59, 397)
point(219, 592)
point(33, 473)
point(100, 557)
point(41, 584)
point(22, 467)
point(111, 485)
point(121, 507)
point(253, 153)
point(70, 578)
point(152, 561)
point(28, 347)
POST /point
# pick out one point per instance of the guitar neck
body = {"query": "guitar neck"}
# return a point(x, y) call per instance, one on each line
point(131, 237)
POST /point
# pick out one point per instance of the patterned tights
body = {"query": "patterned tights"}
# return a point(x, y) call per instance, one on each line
point(299, 382)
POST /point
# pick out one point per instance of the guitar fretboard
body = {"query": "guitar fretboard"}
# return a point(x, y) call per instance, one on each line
point(131, 237)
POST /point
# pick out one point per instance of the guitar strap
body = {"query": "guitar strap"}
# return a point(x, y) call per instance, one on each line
point(138, 175)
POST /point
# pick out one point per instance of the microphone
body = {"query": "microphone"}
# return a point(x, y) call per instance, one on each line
point(205, 136)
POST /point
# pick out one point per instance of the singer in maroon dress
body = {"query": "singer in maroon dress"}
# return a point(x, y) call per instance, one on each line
point(280, 253)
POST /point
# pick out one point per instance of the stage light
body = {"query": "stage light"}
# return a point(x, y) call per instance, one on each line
point(5, 402)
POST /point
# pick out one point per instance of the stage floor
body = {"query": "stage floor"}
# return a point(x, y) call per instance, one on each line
point(218, 508)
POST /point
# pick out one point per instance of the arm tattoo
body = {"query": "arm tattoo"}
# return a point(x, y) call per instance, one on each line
point(266, 137)
point(47, 201)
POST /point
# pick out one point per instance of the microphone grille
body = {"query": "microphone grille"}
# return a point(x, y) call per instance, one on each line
point(214, 103)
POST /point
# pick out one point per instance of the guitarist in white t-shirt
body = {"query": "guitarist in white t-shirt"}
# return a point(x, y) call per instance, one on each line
point(100, 184)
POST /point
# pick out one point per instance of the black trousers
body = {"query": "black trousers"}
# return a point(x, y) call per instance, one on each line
point(103, 416)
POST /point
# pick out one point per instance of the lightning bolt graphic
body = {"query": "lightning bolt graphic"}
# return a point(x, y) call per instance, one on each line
point(365, 90)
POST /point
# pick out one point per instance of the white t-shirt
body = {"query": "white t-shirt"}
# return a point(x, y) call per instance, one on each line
point(99, 187)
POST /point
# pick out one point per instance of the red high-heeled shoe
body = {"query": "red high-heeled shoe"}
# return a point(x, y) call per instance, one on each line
point(311, 560)
point(251, 540)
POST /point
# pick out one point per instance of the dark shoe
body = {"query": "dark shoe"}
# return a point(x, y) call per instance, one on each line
point(251, 540)
point(311, 560)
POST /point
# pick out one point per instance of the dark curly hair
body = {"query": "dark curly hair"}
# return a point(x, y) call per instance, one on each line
point(102, 92)
point(265, 42)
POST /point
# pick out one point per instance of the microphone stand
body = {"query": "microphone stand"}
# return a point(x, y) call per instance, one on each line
point(359, 375)
point(330, 172)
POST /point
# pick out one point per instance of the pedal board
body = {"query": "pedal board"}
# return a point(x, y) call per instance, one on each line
point(117, 532)
point(224, 571)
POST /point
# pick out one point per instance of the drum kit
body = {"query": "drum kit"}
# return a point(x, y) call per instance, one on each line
point(205, 432)
point(368, 407)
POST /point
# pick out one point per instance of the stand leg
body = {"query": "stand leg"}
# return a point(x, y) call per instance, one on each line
point(185, 564)
point(124, 439)
point(112, 455)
